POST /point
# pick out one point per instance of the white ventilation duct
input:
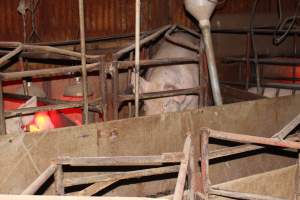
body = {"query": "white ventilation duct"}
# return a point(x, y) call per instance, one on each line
point(202, 11)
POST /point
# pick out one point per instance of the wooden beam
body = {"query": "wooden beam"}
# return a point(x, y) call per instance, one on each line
point(39, 197)
point(122, 160)
point(179, 189)
point(35, 186)
point(251, 139)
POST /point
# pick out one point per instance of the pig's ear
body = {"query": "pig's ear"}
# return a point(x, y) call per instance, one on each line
point(144, 85)
point(178, 99)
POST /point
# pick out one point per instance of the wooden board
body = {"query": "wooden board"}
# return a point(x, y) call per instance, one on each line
point(22, 158)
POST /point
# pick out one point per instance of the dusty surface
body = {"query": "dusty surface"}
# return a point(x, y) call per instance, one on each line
point(22, 158)
point(276, 183)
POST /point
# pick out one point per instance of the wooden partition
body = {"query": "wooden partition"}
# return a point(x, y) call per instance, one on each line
point(23, 158)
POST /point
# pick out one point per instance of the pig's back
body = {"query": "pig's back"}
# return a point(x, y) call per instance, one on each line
point(185, 75)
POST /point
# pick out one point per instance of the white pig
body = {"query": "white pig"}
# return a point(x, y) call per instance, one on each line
point(171, 77)
point(273, 92)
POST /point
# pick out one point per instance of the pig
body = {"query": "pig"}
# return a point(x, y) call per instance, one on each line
point(171, 77)
point(273, 92)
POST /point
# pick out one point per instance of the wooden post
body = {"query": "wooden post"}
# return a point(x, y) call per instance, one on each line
point(297, 178)
point(59, 178)
point(205, 162)
point(193, 169)
point(179, 189)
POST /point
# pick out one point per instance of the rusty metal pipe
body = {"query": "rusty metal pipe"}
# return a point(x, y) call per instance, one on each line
point(2, 116)
point(161, 94)
point(45, 72)
point(137, 55)
point(85, 117)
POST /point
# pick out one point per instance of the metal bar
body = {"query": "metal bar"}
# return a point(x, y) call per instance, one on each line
point(92, 106)
point(93, 67)
point(58, 50)
point(2, 113)
point(285, 62)
point(24, 81)
point(9, 76)
point(179, 188)
point(160, 94)
point(30, 110)
point(241, 195)
point(248, 67)
point(281, 78)
point(35, 186)
point(85, 116)
point(202, 82)
point(270, 85)
point(29, 54)
point(246, 30)
point(205, 162)
point(137, 55)
point(158, 62)
point(103, 90)
point(144, 41)
point(122, 160)
point(26, 111)
point(251, 139)
point(129, 76)
point(115, 86)
point(94, 39)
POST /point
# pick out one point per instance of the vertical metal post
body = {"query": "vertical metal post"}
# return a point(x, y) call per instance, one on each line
point(59, 177)
point(137, 55)
point(83, 63)
point(205, 162)
point(201, 80)
point(248, 69)
point(295, 56)
point(25, 85)
point(115, 85)
point(129, 82)
point(2, 112)
point(103, 91)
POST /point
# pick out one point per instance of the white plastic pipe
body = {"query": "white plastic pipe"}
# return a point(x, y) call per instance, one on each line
point(137, 54)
